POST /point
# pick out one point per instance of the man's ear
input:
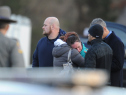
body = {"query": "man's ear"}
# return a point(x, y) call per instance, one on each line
point(104, 28)
point(52, 26)
point(93, 38)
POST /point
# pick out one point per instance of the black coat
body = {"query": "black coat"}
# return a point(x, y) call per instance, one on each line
point(118, 59)
point(99, 55)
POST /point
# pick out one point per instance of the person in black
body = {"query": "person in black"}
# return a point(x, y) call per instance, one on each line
point(100, 54)
point(118, 53)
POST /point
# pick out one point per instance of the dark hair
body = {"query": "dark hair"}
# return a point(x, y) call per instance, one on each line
point(70, 38)
point(3, 25)
point(62, 37)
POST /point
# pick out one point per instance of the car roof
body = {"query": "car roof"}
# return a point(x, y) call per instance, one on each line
point(116, 26)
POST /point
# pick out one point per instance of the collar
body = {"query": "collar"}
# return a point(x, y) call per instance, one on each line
point(61, 33)
point(82, 46)
point(96, 41)
point(108, 34)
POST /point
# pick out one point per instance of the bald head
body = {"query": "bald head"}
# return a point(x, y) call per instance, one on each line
point(53, 21)
point(51, 27)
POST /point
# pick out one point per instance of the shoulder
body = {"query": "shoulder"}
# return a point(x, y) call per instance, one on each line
point(11, 42)
point(92, 49)
point(75, 52)
point(6, 39)
point(106, 46)
point(60, 50)
point(42, 40)
point(75, 55)
point(63, 47)
point(115, 38)
point(62, 32)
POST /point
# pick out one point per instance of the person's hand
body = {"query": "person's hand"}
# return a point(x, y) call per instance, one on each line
point(86, 51)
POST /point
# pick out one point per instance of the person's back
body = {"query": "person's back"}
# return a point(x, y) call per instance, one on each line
point(60, 54)
point(101, 56)
point(118, 53)
point(104, 56)
point(9, 56)
point(9, 51)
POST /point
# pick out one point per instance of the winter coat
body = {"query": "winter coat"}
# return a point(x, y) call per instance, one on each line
point(117, 60)
point(60, 54)
point(99, 55)
point(42, 56)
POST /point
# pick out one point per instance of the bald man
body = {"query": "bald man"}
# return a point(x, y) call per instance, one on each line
point(42, 56)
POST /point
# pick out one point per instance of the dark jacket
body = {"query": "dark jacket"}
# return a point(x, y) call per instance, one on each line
point(42, 56)
point(99, 55)
point(60, 54)
point(118, 59)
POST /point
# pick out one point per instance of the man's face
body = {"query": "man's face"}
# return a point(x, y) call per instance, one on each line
point(104, 32)
point(89, 38)
point(77, 45)
point(46, 28)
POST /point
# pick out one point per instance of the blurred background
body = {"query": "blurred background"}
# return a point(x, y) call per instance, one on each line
point(74, 15)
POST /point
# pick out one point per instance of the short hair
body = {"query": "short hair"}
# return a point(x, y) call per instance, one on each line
point(54, 20)
point(98, 21)
point(70, 38)
point(3, 25)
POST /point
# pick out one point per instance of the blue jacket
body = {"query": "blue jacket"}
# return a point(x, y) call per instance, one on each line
point(82, 51)
point(42, 56)
point(118, 59)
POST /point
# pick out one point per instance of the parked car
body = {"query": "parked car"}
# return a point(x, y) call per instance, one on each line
point(46, 81)
point(120, 31)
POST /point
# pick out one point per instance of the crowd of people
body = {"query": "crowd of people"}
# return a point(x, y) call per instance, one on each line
point(106, 49)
